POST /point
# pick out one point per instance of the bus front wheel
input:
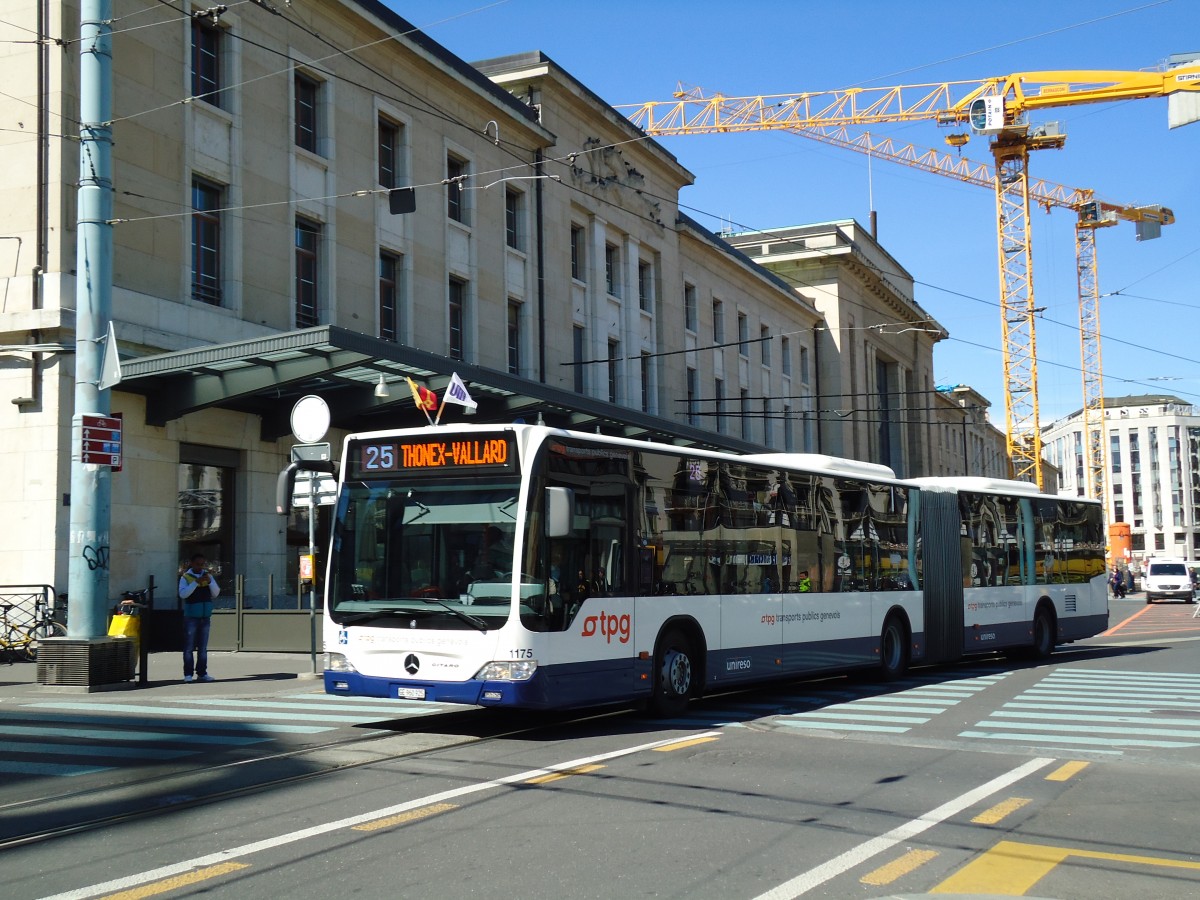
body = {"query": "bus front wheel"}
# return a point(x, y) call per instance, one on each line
point(673, 672)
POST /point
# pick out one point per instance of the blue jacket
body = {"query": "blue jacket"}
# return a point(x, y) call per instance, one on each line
point(197, 600)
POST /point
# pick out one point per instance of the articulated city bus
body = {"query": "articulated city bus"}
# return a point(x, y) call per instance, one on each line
point(534, 567)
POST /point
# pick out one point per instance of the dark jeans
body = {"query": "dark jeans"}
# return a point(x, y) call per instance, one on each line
point(195, 638)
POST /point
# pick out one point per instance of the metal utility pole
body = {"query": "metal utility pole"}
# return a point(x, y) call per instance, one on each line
point(91, 482)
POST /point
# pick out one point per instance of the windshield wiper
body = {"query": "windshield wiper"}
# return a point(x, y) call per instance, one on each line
point(355, 618)
point(473, 621)
point(359, 618)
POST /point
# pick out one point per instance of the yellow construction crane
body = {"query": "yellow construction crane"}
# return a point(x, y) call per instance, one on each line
point(996, 107)
point(1090, 215)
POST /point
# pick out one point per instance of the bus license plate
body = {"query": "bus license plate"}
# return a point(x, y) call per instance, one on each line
point(410, 693)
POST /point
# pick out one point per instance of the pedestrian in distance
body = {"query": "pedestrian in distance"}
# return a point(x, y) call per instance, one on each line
point(197, 589)
point(1117, 582)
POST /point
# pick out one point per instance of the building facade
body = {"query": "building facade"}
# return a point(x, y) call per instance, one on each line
point(328, 201)
point(1152, 484)
point(873, 351)
point(966, 441)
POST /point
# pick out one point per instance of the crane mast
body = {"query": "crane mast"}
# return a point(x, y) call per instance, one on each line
point(1091, 214)
point(996, 107)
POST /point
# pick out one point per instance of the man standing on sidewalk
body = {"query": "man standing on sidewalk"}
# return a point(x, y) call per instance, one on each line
point(197, 589)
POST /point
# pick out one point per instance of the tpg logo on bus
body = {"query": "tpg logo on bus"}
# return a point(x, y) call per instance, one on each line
point(610, 626)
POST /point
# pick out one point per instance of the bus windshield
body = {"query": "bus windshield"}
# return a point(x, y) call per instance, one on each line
point(424, 556)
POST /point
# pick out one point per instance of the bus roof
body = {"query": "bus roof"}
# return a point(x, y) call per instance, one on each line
point(820, 462)
point(979, 483)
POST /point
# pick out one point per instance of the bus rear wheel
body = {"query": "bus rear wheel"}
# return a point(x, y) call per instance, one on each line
point(673, 672)
point(893, 649)
point(1043, 634)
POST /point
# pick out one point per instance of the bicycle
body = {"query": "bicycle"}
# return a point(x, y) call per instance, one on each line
point(22, 639)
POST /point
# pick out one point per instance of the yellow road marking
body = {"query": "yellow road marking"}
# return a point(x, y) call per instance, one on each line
point(1012, 869)
point(410, 816)
point(1000, 810)
point(563, 773)
point(909, 862)
point(171, 884)
point(681, 744)
point(1067, 771)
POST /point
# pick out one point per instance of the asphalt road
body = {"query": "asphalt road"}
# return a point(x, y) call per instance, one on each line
point(1067, 779)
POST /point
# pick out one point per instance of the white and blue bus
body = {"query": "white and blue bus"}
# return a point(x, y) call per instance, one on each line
point(527, 566)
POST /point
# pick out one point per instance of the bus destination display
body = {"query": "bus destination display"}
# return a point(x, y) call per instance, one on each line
point(385, 456)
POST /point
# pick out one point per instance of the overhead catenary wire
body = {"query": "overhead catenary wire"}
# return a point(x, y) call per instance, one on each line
point(569, 157)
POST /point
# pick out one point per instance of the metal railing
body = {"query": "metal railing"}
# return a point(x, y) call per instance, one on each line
point(26, 599)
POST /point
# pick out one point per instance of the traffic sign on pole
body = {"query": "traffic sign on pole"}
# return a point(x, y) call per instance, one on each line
point(101, 440)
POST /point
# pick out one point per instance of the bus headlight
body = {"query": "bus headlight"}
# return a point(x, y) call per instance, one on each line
point(337, 662)
point(505, 670)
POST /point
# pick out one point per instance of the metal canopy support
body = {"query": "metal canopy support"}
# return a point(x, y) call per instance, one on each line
point(265, 377)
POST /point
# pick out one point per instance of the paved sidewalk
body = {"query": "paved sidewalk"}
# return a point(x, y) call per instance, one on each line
point(236, 673)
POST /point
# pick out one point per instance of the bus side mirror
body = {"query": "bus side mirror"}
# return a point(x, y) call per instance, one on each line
point(560, 511)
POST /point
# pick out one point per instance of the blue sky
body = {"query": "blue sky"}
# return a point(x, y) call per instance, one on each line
point(942, 231)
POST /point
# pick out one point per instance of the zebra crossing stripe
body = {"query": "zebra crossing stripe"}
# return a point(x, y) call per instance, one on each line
point(883, 713)
point(1073, 740)
point(835, 725)
point(255, 715)
point(842, 713)
point(170, 728)
point(115, 734)
point(391, 712)
point(1122, 720)
point(184, 726)
point(1114, 708)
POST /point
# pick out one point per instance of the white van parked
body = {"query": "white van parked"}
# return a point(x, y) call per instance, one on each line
point(1168, 579)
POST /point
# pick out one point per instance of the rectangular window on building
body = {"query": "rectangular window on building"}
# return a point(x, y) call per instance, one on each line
point(207, 200)
point(308, 246)
point(803, 365)
point(693, 410)
point(768, 425)
point(719, 403)
point(764, 342)
point(690, 315)
point(514, 213)
point(612, 269)
point(645, 379)
point(514, 336)
point(1114, 452)
point(744, 413)
point(389, 153)
point(206, 62)
point(578, 254)
point(718, 311)
point(456, 206)
point(307, 93)
point(785, 356)
point(457, 302)
point(614, 361)
point(743, 326)
point(389, 296)
point(645, 286)
point(577, 348)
